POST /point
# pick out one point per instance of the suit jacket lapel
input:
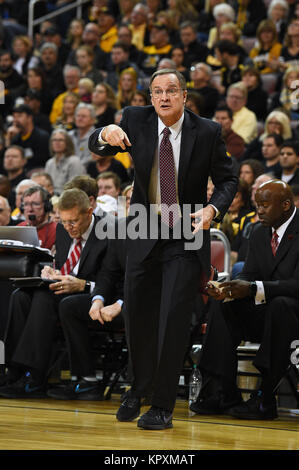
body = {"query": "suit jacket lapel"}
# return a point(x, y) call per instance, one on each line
point(65, 246)
point(290, 236)
point(187, 143)
point(150, 131)
point(90, 242)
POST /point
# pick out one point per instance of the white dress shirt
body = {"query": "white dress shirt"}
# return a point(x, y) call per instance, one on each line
point(84, 238)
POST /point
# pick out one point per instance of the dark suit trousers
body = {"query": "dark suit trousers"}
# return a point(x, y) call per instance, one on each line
point(33, 317)
point(76, 324)
point(274, 325)
point(160, 293)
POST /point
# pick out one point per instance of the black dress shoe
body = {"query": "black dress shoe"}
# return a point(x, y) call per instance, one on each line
point(129, 408)
point(9, 377)
point(156, 418)
point(214, 405)
point(207, 406)
point(25, 387)
point(78, 390)
point(255, 408)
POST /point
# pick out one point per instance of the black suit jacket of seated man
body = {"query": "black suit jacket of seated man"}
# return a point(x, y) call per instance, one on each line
point(33, 315)
point(273, 324)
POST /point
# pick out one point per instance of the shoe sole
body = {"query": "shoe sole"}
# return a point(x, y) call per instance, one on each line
point(254, 418)
point(128, 420)
point(21, 397)
point(154, 427)
point(206, 412)
point(76, 398)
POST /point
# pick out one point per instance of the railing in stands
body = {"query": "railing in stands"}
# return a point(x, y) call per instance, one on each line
point(33, 22)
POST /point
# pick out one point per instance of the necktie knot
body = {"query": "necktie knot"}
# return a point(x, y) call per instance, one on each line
point(166, 132)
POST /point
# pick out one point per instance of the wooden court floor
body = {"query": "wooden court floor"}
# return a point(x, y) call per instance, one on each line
point(47, 424)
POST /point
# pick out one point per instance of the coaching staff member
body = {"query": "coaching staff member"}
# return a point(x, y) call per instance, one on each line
point(174, 151)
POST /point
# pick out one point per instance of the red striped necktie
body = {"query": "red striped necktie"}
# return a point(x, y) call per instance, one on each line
point(274, 242)
point(73, 258)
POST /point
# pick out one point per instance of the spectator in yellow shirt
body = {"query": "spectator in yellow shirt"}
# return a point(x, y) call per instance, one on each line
point(71, 79)
point(266, 54)
point(108, 29)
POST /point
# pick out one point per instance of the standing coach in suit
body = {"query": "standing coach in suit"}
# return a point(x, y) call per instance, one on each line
point(162, 277)
point(34, 311)
point(265, 309)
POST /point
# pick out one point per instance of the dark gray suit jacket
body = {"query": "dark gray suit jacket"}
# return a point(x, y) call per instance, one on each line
point(202, 154)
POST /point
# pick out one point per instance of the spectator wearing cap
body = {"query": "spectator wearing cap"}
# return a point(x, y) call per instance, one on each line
point(228, 54)
point(53, 35)
point(158, 49)
point(32, 139)
point(14, 84)
point(33, 99)
point(108, 29)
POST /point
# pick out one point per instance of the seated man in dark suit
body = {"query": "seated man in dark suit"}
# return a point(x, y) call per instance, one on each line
point(265, 309)
point(34, 311)
point(80, 313)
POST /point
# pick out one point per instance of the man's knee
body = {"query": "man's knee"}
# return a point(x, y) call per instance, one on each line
point(67, 307)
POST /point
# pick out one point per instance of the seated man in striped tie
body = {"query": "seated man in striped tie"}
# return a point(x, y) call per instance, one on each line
point(33, 314)
point(264, 309)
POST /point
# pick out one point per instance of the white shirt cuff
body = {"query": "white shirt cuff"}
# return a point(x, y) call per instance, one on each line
point(260, 293)
point(100, 140)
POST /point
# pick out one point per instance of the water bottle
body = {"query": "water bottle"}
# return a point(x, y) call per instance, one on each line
point(195, 384)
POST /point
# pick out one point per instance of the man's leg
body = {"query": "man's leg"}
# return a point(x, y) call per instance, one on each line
point(19, 307)
point(75, 322)
point(281, 327)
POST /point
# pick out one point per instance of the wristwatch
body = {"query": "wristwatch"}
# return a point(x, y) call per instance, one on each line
point(253, 289)
point(87, 286)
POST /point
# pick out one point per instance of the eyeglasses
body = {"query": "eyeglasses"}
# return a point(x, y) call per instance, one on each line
point(170, 92)
point(32, 204)
point(58, 140)
point(234, 97)
point(72, 223)
point(195, 67)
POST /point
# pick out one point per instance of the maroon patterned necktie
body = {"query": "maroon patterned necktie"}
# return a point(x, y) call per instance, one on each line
point(274, 242)
point(167, 181)
point(73, 258)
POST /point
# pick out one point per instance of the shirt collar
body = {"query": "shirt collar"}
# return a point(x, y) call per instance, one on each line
point(86, 234)
point(281, 230)
point(175, 129)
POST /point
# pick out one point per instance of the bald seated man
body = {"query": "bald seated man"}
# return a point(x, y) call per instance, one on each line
point(262, 306)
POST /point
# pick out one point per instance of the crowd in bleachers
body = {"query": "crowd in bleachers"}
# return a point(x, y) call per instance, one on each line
point(240, 60)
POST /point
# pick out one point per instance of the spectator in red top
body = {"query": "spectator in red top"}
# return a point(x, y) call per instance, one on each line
point(37, 207)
